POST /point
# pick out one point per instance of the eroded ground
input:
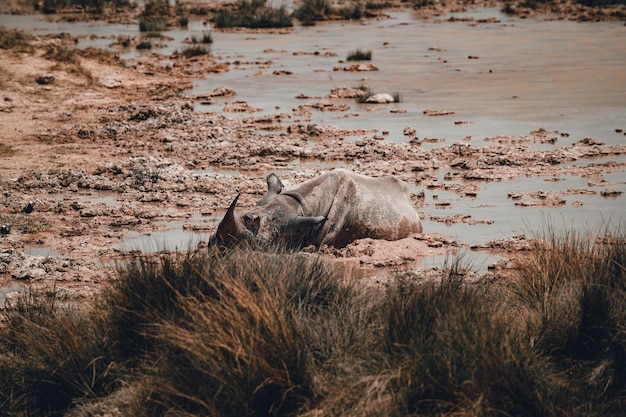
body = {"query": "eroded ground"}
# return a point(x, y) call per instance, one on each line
point(104, 150)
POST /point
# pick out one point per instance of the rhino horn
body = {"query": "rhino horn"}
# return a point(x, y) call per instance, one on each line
point(230, 228)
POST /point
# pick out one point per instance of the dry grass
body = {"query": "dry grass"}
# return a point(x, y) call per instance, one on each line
point(282, 334)
point(6, 150)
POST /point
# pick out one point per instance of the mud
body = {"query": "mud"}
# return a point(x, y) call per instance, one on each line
point(105, 150)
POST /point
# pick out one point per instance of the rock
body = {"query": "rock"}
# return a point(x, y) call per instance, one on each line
point(431, 112)
point(218, 92)
point(357, 68)
point(110, 82)
point(44, 79)
point(344, 92)
point(380, 98)
point(240, 107)
point(409, 131)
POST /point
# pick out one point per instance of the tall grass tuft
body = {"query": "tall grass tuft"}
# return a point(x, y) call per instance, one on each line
point(572, 294)
point(226, 327)
point(453, 358)
point(50, 356)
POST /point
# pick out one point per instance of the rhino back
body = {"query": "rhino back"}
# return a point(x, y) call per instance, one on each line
point(357, 206)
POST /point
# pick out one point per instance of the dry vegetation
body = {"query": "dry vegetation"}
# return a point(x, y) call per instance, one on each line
point(247, 333)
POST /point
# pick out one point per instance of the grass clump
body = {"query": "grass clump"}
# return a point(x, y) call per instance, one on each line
point(352, 12)
point(6, 150)
point(242, 332)
point(50, 355)
point(419, 4)
point(152, 24)
point(144, 44)
point(15, 40)
point(311, 11)
point(62, 54)
point(225, 327)
point(207, 38)
point(359, 55)
point(254, 14)
point(195, 50)
point(91, 6)
point(572, 294)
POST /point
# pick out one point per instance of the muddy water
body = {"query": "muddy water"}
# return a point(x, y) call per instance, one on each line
point(558, 75)
point(502, 78)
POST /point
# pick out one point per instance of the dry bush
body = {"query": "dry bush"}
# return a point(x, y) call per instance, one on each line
point(243, 332)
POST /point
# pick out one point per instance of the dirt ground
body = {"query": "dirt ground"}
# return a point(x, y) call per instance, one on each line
point(104, 150)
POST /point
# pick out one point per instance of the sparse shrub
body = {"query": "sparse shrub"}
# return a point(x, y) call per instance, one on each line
point(6, 150)
point(152, 24)
point(375, 5)
point(352, 12)
point(359, 55)
point(91, 6)
point(253, 14)
point(62, 54)
point(207, 37)
point(101, 55)
point(183, 21)
point(195, 50)
point(14, 39)
point(156, 8)
point(508, 8)
point(144, 44)
point(311, 11)
point(418, 4)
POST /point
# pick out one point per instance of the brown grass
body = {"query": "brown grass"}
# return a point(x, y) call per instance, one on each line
point(274, 333)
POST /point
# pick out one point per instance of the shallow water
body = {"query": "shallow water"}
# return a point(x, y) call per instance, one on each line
point(529, 74)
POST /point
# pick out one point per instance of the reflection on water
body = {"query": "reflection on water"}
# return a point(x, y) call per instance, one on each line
point(42, 251)
point(175, 238)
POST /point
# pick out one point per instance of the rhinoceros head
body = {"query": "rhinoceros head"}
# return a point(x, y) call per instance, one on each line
point(276, 219)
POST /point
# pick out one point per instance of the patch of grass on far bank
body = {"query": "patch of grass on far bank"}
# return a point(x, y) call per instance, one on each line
point(359, 55)
point(253, 14)
point(243, 332)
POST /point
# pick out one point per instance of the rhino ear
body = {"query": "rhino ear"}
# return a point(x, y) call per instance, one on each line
point(228, 227)
point(274, 185)
point(304, 223)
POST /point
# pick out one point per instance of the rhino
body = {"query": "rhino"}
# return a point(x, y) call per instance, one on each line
point(335, 209)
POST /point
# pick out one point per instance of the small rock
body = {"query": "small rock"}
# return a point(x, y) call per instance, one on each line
point(380, 98)
point(44, 79)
